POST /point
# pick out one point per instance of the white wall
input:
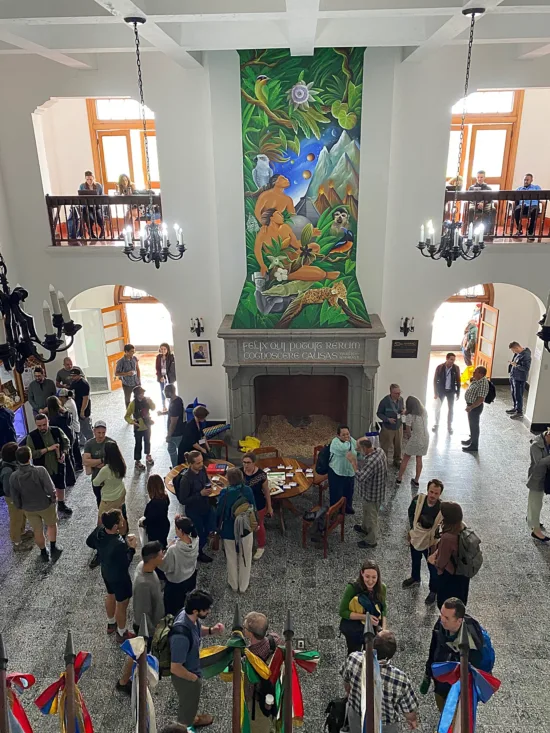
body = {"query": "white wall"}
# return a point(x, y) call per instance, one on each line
point(519, 313)
point(100, 297)
point(533, 154)
point(64, 145)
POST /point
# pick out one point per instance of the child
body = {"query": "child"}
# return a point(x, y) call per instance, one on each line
point(138, 414)
point(115, 555)
point(111, 480)
point(155, 521)
point(180, 565)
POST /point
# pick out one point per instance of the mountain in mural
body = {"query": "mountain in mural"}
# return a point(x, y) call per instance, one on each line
point(344, 175)
point(337, 168)
point(323, 169)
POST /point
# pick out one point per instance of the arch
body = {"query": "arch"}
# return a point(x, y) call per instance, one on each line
point(139, 296)
point(478, 293)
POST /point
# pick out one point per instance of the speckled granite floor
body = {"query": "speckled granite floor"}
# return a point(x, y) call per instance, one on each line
point(510, 596)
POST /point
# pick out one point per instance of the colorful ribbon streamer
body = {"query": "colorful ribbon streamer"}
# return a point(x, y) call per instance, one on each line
point(54, 698)
point(134, 648)
point(17, 717)
point(306, 660)
point(482, 687)
point(377, 695)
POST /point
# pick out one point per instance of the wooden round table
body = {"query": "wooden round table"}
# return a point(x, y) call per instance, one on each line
point(218, 482)
point(302, 480)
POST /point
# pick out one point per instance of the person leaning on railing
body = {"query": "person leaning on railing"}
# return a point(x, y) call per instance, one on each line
point(92, 214)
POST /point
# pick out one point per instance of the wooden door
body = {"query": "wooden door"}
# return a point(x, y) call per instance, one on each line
point(486, 338)
point(490, 151)
point(115, 325)
point(115, 156)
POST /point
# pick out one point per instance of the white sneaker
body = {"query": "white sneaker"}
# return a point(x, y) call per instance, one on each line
point(259, 552)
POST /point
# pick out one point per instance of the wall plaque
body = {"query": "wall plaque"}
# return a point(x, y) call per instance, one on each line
point(401, 349)
point(302, 350)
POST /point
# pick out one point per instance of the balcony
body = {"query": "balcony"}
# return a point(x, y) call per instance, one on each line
point(501, 211)
point(98, 220)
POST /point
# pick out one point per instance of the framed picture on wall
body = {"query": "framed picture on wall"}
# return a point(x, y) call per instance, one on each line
point(11, 385)
point(199, 353)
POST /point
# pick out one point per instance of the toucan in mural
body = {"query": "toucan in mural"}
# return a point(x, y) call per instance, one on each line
point(301, 130)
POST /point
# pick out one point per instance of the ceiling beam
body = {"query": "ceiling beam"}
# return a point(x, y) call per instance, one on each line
point(301, 20)
point(536, 53)
point(448, 31)
point(36, 48)
point(152, 32)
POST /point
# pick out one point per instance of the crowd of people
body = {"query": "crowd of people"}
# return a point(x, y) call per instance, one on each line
point(34, 476)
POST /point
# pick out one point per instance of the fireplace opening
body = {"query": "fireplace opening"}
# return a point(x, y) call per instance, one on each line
point(297, 412)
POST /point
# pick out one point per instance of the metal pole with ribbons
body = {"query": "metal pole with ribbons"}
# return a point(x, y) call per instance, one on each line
point(237, 655)
point(464, 646)
point(4, 723)
point(289, 652)
point(142, 680)
point(70, 684)
point(368, 661)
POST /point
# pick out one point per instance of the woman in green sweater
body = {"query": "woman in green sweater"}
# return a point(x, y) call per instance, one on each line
point(366, 595)
point(110, 479)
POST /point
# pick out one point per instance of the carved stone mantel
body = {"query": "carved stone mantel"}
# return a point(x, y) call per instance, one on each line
point(352, 353)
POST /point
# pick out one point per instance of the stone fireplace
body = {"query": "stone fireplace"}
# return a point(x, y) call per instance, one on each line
point(252, 357)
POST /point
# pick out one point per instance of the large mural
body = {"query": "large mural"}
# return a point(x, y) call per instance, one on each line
point(301, 130)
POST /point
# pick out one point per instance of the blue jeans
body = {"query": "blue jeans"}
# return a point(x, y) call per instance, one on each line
point(416, 561)
point(517, 388)
point(172, 445)
point(204, 524)
point(162, 385)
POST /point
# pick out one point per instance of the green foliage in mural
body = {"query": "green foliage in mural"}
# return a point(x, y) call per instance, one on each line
point(301, 126)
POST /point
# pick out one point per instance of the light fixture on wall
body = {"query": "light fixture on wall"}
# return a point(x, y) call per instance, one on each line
point(197, 326)
point(544, 333)
point(454, 245)
point(154, 242)
point(18, 337)
point(407, 325)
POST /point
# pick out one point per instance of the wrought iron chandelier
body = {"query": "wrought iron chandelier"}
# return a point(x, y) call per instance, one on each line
point(454, 245)
point(154, 242)
point(18, 337)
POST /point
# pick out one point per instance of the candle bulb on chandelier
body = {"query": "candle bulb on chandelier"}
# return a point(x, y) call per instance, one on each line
point(422, 237)
point(412, 323)
point(64, 308)
point(481, 231)
point(47, 318)
point(55, 302)
point(470, 232)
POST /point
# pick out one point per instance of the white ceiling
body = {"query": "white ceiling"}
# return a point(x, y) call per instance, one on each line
point(66, 31)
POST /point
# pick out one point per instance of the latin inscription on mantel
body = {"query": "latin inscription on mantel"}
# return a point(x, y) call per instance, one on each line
point(300, 350)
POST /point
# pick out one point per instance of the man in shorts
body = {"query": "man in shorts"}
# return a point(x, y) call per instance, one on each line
point(32, 490)
point(115, 555)
point(49, 448)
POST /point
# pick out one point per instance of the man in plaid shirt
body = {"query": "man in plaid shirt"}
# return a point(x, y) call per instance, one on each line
point(398, 696)
point(370, 483)
point(475, 397)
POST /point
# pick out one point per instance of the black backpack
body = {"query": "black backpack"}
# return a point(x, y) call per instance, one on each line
point(336, 715)
point(491, 394)
point(323, 460)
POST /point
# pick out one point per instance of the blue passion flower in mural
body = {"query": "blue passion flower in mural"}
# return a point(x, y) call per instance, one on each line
point(301, 135)
point(300, 95)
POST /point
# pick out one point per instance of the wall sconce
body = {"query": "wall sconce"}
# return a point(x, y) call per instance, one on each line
point(197, 326)
point(544, 333)
point(407, 325)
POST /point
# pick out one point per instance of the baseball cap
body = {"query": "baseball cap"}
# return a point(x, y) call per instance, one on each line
point(76, 370)
point(100, 424)
point(63, 392)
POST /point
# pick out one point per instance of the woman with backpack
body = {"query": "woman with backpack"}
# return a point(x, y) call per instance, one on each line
point(445, 559)
point(365, 595)
point(237, 520)
point(180, 565)
point(138, 414)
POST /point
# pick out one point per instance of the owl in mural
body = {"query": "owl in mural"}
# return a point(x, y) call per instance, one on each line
point(262, 172)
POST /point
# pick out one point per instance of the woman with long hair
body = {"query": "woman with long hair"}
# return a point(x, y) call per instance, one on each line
point(7, 421)
point(165, 367)
point(126, 188)
point(138, 414)
point(61, 418)
point(238, 539)
point(416, 430)
point(180, 565)
point(156, 522)
point(111, 480)
point(256, 479)
point(449, 583)
point(365, 595)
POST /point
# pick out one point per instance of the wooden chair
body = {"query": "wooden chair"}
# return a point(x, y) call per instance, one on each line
point(320, 481)
point(265, 449)
point(336, 515)
point(220, 444)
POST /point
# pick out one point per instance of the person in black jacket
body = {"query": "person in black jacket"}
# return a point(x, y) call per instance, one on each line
point(444, 645)
point(156, 522)
point(193, 489)
point(193, 438)
point(115, 555)
point(61, 418)
point(446, 387)
point(518, 369)
point(165, 367)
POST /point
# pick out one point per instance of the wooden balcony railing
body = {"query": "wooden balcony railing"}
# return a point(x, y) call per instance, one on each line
point(83, 220)
point(505, 215)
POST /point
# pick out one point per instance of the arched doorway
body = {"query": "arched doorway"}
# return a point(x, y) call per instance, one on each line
point(509, 313)
point(112, 316)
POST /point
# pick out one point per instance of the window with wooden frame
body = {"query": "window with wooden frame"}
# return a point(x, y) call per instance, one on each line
point(475, 294)
point(118, 147)
point(127, 294)
point(490, 138)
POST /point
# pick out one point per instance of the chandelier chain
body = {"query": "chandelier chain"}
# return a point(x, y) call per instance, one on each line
point(464, 107)
point(143, 117)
